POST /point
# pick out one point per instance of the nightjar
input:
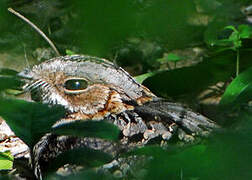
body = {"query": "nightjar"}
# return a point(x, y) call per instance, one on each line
point(92, 88)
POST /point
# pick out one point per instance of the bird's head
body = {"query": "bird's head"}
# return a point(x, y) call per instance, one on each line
point(88, 87)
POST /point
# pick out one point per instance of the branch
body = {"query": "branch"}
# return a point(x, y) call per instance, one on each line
point(36, 28)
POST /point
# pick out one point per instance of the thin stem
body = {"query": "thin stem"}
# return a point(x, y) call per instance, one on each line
point(36, 28)
point(237, 62)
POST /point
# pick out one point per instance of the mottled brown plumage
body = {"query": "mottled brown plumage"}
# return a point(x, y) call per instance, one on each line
point(93, 88)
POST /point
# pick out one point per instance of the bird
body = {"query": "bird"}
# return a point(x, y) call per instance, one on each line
point(92, 88)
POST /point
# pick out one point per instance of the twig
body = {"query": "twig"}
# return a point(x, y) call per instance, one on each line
point(36, 28)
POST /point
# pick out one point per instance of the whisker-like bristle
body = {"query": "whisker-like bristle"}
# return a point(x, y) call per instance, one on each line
point(38, 85)
point(28, 87)
point(35, 85)
point(45, 85)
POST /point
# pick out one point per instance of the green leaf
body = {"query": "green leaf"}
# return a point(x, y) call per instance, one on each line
point(9, 72)
point(222, 42)
point(245, 31)
point(158, 152)
point(69, 52)
point(192, 79)
point(29, 120)
point(239, 91)
point(179, 81)
point(212, 32)
point(171, 57)
point(225, 155)
point(231, 27)
point(142, 77)
point(99, 129)
point(235, 39)
point(81, 156)
point(6, 160)
point(9, 82)
point(5, 177)
point(155, 151)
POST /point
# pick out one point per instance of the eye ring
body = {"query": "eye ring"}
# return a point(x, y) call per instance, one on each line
point(75, 85)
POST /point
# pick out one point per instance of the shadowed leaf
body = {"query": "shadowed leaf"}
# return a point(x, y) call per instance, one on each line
point(29, 121)
point(86, 174)
point(192, 79)
point(148, 151)
point(10, 72)
point(239, 91)
point(226, 155)
point(5, 177)
point(82, 156)
point(80, 128)
point(9, 82)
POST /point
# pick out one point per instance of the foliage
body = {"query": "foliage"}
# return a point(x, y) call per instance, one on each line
point(142, 77)
point(6, 160)
point(223, 156)
point(234, 41)
point(8, 79)
point(141, 36)
point(192, 79)
point(88, 129)
point(35, 118)
point(86, 157)
point(239, 91)
point(69, 52)
point(30, 121)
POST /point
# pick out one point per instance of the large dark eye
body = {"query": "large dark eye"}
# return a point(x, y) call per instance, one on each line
point(75, 84)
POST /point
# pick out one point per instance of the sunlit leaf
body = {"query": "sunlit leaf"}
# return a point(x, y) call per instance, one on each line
point(245, 31)
point(171, 57)
point(234, 37)
point(90, 128)
point(69, 52)
point(239, 91)
point(232, 28)
point(29, 120)
point(6, 160)
point(142, 77)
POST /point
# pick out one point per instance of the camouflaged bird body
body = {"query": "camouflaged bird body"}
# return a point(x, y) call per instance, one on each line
point(111, 94)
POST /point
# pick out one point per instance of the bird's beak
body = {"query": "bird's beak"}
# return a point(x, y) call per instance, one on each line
point(25, 74)
point(26, 77)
